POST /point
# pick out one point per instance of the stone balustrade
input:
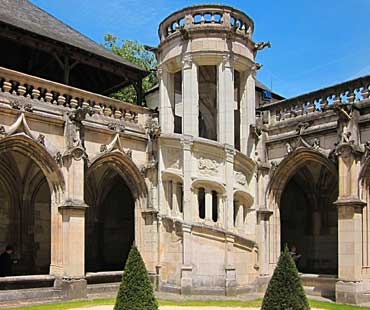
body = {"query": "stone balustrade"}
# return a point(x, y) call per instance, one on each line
point(23, 85)
point(356, 90)
point(199, 17)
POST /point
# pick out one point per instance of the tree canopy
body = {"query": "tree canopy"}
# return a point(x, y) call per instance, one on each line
point(136, 53)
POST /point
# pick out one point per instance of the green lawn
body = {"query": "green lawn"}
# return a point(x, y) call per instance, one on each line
point(219, 303)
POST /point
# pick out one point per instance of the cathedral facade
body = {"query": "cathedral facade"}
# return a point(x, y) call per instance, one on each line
point(209, 182)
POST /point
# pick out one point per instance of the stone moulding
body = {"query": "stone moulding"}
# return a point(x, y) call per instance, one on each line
point(204, 227)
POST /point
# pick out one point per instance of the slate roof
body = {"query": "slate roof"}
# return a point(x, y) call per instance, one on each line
point(27, 16)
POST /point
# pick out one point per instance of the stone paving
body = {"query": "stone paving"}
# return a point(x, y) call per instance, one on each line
point(110, 307)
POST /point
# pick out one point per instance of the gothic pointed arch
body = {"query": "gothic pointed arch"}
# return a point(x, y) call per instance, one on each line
point(292, 163)
point(125, 167)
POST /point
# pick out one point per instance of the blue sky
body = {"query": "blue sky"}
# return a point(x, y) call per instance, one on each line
point(315, 43)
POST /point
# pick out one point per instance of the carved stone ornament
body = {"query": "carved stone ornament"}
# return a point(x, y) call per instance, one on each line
point(79, 114)
point(117, 126)
point(300, 142)
point(152, 127)
point(2, 132)
point(59, 158)
point(301, 127)
point(240, 178)
point(187, 62)
point(115, 145)
point(41, 139)
point(208, 166)
point(21, 104)
point(21, 126)
point(367, 149)
point(77, 153)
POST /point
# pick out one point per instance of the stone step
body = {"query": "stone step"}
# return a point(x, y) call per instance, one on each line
point(47, 293)
point(102, 289)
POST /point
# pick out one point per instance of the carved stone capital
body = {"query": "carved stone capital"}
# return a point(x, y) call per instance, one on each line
point(228, 61)
point(187, 62)
point(348, 150)
point(229, 152)
point(187, 142)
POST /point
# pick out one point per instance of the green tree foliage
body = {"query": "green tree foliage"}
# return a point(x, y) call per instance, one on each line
point(135, 53)
point(285, 291)
point(136, 291)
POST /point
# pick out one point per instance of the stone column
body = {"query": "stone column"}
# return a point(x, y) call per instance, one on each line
point(221, 209)
point(263, 217)
point(72, 240)
point(247, 108)
point(166, 95)
point(230, 272)
point(186, 268)
point(175, 199)
point(188, 210)
point(239, 215)
point(225, 132)
point(195, 211)
point(208, 205)
point(229, 180)
point(190, 97)
point(350, 286)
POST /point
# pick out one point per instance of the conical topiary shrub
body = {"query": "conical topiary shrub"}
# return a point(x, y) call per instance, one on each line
point(285, 290)
point(136, 291)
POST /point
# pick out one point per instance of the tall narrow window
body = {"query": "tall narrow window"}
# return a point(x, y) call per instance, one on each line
point(214, 206)
point(235, 213)
point(207, 81)
point(178, 102)
point(237, 110)
point(202, 203)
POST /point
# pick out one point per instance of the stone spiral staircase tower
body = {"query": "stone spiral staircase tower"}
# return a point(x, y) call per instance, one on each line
point(206, 183)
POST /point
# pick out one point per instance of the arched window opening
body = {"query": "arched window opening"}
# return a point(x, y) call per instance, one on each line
point(202, 203)
point(178, 102)
point(237, 123)
point(207, 81)
point(214, 206)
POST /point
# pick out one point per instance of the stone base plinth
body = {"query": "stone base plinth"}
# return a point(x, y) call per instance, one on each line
point(186, 280)
point(351, 292)
point(72, 288)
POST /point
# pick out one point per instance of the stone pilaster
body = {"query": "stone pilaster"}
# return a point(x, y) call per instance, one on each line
point(187, 143)
point(263, 218)
point(186, 268)
point(166, 95)
point(350, 286)
point(225, 132)
point(190, 97)
point(239, 215)
point(230, 271)
point(247, 109)
point(208, 205)
point(229, 180)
